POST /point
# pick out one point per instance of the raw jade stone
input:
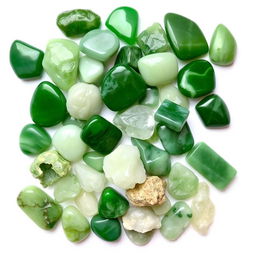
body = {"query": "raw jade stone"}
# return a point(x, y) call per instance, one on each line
point(152, 97)
point(158, 69)
point(107, 229)
point(176, 221)
point(222, 47)
point(48, 105)
point(175, 143)
point(77, 22)
point(186, 38)
point(196, 79)
point(100, 135)
point(137, 238)
point(211, 165)
point(34, 139)
point(129, 55)
point(61, 61)
point(172, 115)
point(40, 207)
point(182, 182)
point(94, 160)
point(153, 40)
point(156, 161)
point(87, 203)
point(112, 204)
point(122, 87)
point(213, 111)
point(26, 60)
point(99, 44)
point(123, 21)
point(75, 225)
point(163, 208)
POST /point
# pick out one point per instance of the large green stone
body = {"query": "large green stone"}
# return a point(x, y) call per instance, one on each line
point(185, 37)
point(94, 160)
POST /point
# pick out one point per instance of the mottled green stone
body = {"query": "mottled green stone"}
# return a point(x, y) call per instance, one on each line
point(137, 238)
point(95, 160)
point(152, 97)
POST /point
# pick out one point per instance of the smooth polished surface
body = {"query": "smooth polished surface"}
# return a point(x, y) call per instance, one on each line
point(152, 97)
point(94, 160)
point(137, 238)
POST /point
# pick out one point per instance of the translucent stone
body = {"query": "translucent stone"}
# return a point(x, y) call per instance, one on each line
point(137, 121)
point(163, 208)
point(87, 203)
point(137, 238)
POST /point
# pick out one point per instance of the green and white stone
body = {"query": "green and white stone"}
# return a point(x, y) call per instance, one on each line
point(87, 203)
point(137, 238)
point(73, 121)
point(152, 97)
point(163, 208)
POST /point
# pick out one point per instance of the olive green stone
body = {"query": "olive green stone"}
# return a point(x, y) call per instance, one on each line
point(137, 238)
point(152, 97)
point(94, 160)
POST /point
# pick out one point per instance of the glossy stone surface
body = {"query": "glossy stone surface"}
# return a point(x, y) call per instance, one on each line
point(211, 165)
point(185, 37)
point(163, 208)
point(137, 238)
point(61, 61)
point(100, 135)
point(123, 21)
point(222, 46)
point(77, 22)
point(34, 139)
point(107, 229)
point(122, 87)
point(71, 120)
point(172, 115)
point(176, 221)
point(26, 60)
point(213, 111)
point(158, 69)
point(152, 97)
point(87, 203)
point(156, 161)
point(75, 225)
point(94, 160)
point(99, 44)
point(196, 79)
point(48, 98)
point(112, 204)
point(175, 143)
point(153, 40)
point(40, 207)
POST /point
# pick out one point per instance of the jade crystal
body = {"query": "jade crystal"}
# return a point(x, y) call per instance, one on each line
point(94, 160)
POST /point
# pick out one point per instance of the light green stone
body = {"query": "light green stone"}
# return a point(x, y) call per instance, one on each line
point(137, 238)
point(95, 160)
point(152, 97)
point(72, 120)
point(163, 208)
point(87, 203)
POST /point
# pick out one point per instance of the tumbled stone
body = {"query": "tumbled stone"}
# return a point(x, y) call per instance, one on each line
point(94, 160)
point(137, 238)
point(87, 203)
point(163, 208)
point(152, 97)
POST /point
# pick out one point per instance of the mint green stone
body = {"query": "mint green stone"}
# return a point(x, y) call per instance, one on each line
point(137, 238)
point(71, 120)
point(94, 160)
point(152, 97)
point(163, 208)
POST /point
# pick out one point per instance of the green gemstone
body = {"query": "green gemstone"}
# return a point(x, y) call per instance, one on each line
point(71, 120)
point(123, 21)
point(26, 60)
point(172, 115)
point(163, 208)
point(101, 135)
point(77, 22)
point(122, 87)
point(40, 207)
point(112, 204)
point(153, 40)
point(185, 37)
point(137, 238)
point(196, 79)
point(213, 111)
point(34, 139)
point(211, 165)
point(107, 229)
point(61, 61)
point(48, 105)
point(94, 160)
point(152, 97)
point(129, 55)
point(156, 161)
point(222, 47)
point(176, 143)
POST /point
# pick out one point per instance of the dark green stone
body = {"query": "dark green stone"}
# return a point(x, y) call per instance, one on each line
point(152, 97)
point(95, 160)
point(26, 60)
point(122, 87)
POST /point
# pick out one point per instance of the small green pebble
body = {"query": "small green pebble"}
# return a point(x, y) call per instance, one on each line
point(95, 160)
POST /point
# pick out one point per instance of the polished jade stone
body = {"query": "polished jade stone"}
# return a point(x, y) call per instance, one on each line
point(77, 22)
point(75, 225)
point(94, 160)
point(48, 105)
point(153, 40)
point(152, 97)
point(107, 229)
point(40, 207)
point(175, 143)
point(61, 61)
point(162, 209)
point(172, 115)
point(156, 161)
point(185, 37)
point(213, 111)
point(26, 60)
point(101, 135)
point(196, 79)
point(211, 165)
point(222, 47)
point(176, 221)
point(123, 21)
point(122, 87)
point(70, 120)
point(137, 238)
point(99, 44)
point(129, 55)
point(34, 139)
point(112, 204)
